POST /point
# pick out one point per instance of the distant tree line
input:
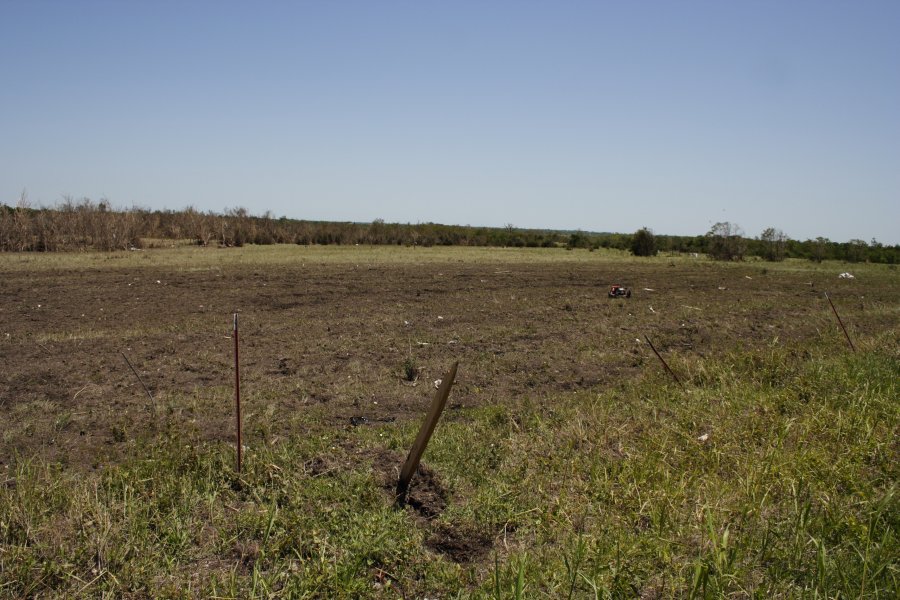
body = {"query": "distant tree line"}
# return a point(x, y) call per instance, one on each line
point(87, 225)
point(727, 241)
point(84, 225)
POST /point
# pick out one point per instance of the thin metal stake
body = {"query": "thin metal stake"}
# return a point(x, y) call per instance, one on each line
point(428, 425)
point(149, 395)
point(670, 371)
point(237, 391)
point(841, 323)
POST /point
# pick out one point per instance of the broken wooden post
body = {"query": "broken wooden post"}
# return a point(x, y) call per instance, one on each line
point(841, 323)
point(425, 431)
point(670, 371)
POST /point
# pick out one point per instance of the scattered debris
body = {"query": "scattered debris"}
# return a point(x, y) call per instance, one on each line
point(437, 383)
point(846, 276)
point(747, 277)
point(722, 288)
point(651, 310)
point(649, 290)
point(703, 437)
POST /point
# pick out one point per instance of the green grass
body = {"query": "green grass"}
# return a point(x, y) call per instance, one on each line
point(194, 258)
point(607, 494)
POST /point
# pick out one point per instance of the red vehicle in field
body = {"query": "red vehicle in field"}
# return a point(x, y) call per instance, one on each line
point(619, 291)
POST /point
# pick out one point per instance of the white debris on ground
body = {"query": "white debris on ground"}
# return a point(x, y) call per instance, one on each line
point(703, 437)
point(437, 383)
point(651, 310)
point(722, 288)
point(748, 277)
point(846, 276)
point(649, 290)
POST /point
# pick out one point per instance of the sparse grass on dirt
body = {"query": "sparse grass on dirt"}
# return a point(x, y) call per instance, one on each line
point(566, 464)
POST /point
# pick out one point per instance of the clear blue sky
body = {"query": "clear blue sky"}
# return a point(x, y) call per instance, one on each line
point(603, 116)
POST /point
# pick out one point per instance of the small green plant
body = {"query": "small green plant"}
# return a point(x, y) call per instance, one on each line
point(410, 369)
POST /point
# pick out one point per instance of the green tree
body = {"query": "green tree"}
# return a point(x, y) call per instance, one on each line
point(857, 250)
point(643, 243)
point(820, 249)
point(579, 240)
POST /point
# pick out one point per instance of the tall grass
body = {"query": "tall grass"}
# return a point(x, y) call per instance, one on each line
point(773, 474)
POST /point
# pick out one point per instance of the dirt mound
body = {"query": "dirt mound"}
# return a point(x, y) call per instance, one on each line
point(426, 499)
point(426, 495)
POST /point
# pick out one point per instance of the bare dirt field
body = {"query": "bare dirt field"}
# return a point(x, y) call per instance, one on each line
point(567, 464)
point(331, 336)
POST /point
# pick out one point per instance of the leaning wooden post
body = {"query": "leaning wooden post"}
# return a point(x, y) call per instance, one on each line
point(670, 371)
point(841, 323)
point(425, 431)
point(237, 392)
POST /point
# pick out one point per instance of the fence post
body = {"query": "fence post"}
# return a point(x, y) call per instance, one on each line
point(425, 431)
point(237, 391)
point(841, 323)
point(670, 371)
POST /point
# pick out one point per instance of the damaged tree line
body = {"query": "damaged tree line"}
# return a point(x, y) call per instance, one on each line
point(87, 225)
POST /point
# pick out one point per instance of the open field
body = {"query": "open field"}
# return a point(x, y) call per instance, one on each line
point(566, 464)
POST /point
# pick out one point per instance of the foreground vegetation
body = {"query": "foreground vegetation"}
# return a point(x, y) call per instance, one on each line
point(772, 473)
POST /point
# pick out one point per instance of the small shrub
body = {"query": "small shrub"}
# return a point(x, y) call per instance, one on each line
point(410, 369)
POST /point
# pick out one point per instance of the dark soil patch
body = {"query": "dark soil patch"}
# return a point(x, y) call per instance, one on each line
point(426, 495)
point(459, 545)
point(426, 499)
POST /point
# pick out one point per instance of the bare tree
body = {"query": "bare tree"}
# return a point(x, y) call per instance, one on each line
point(774, 244)
point(726, 242)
